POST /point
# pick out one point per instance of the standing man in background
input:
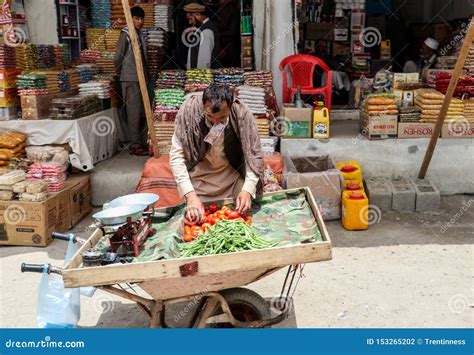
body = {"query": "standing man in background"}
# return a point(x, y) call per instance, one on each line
point(204, 47)
point(125, 66)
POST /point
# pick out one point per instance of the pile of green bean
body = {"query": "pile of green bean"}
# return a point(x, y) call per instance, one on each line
point(226, 236)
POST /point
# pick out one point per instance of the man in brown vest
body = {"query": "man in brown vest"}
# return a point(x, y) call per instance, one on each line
point(216, 151)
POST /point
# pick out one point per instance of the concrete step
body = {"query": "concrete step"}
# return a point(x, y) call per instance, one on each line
point(451, 169)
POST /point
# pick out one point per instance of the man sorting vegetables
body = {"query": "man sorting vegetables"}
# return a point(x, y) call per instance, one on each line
point(216, 152)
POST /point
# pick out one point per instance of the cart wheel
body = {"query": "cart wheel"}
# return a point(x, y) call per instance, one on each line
point(246, 306)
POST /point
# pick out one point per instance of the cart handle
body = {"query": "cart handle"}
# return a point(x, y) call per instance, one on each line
point(39, 268)
point(63, 236)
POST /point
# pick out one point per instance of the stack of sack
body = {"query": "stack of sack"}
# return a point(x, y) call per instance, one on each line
point(157, 43)
point(101, 13)
point(12, 145)
point(7, 181)
point(52, 82)
point(253, 97)
point(171, 79)
point(163, 15)
point(198, 79)
point(35, 190)
point(99, 88)
point(117, 15)
point(87, 72)
point(469, 110)
point(469, 65)
point(47, 153)
point(149, 9)
point(380, 104)
point(430, 102)
point(410, 114)
point(105, 62)
point(111, 39)
point(229, 76)
point(52, 172)
point(95, 38)
point(89, 56)
point(32, 84)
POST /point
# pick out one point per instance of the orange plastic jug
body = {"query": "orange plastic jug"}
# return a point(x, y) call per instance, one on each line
point(355, 210)
point(353, 185)
point(350, 170)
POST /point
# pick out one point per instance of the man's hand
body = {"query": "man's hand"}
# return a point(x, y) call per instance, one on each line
point(243, 202)
point(194, 209)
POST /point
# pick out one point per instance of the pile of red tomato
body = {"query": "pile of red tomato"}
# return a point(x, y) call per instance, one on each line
point(212, 215)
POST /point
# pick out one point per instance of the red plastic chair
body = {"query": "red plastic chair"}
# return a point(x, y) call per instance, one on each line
point(301, 68)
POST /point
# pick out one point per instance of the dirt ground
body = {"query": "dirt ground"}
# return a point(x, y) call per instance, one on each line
point(408, 270)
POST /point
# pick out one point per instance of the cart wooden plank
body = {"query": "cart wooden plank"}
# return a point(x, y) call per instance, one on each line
point(224, 266)
point(208, 265)
point(164, 289)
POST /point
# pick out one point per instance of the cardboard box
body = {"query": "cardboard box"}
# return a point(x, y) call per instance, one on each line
point(322, 178)
point(31, 223)
point(36, 107)
point(461, 129)
point(415, 130)
point(379, 126)
point(299, 121)
point(8, 78)
point(400, 79)
point(317, 31)
point(246, 41)
point(80, 197)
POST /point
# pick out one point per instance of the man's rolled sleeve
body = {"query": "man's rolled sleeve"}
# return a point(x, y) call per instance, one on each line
point(250, 183)
point(178, 167)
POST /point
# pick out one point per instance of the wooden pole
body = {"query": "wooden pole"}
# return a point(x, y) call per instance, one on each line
point(141, 77)
point(447, 99)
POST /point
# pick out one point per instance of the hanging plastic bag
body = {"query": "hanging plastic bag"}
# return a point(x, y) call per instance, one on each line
point(58, 307)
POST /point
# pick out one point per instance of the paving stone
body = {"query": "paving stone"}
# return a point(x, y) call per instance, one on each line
point(404, 195)
point(428, 197)
point(379, 192)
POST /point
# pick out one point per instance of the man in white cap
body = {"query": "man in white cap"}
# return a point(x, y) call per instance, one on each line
point(428, 57)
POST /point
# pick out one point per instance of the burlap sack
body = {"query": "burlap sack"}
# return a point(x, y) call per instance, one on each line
point(430, 94)
point(381, 101)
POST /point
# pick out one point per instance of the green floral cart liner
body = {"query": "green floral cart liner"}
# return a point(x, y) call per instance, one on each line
point(284, 217)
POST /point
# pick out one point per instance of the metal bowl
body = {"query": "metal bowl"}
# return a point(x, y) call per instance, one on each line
point(134, 199)
point(119, 215)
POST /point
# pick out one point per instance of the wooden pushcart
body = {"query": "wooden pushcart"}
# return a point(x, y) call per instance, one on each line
point(214, 280)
